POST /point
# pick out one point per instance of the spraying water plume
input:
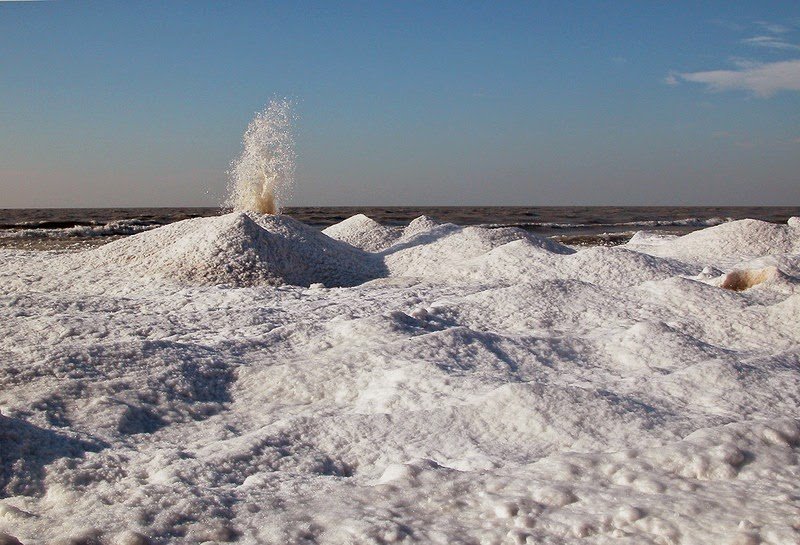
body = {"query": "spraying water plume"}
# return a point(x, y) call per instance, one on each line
point(261, 178)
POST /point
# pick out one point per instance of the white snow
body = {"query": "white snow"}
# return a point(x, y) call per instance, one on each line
point(248, 379)
point(363, 232)
point(724, 244)
point(239, 249)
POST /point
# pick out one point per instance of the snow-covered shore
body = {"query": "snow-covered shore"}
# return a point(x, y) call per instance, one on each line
point(248, 379)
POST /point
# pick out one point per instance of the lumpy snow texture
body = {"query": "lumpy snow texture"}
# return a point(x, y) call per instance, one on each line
point(365, 233)
point(248, 379)
point(239, 249)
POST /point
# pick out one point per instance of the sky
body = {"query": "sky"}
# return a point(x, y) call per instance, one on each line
point(404, 103)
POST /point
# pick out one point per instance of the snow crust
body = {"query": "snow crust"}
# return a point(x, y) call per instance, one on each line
point(248, 379)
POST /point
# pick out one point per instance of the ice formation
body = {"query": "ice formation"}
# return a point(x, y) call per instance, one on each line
point(365, 233)
point(237, 249)
point(734, 241)
point(248, 379)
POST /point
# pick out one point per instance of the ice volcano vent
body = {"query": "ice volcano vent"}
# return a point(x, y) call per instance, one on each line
point(239, 249)
point(261, 178)
point(740, 280)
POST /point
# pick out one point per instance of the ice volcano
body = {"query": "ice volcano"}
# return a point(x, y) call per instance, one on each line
point(239, 249)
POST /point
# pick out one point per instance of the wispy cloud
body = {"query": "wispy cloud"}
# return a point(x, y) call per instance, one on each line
point(773, 28)
point(771, 42)
point(763, 80)
point(771, 35)
point(672, 78)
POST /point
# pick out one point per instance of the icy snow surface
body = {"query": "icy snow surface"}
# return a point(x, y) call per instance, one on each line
point(248, 379)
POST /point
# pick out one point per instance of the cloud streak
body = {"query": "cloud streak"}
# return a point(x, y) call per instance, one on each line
point(771, 42)
point(774, 28)
point(762, 80)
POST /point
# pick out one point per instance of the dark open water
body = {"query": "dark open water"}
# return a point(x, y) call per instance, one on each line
point(48, 229)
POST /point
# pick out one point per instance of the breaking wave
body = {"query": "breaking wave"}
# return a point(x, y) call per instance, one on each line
point(110, 229)
point(683, 222)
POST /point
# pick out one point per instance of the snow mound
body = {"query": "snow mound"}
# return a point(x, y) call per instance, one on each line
point(652, 345)
point(602, 266)
point(239, 249)
point(428, 249)
point(363, 232)
point(649, 238)
point(619, 267)
point(724, 245)
point(422, 224)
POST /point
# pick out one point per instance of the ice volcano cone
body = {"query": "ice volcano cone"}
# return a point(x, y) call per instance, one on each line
point(261, 178)
point(239, 249)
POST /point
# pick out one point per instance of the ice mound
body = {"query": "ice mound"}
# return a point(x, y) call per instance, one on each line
point(239, 249)
point(524, 259)
point(422, 224)
point(724, 245)
point(549, 417)
point(642, 239)
point(620, 267)
point(428, 249)
point(787, 264)
point(363, 232)
point(509, 263)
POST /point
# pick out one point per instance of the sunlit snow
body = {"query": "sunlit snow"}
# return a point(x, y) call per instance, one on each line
point(248, 379)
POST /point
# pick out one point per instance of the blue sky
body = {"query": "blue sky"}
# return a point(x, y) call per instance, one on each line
point(404, 103)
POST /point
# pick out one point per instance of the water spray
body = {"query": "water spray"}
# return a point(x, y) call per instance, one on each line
point(261, 178)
